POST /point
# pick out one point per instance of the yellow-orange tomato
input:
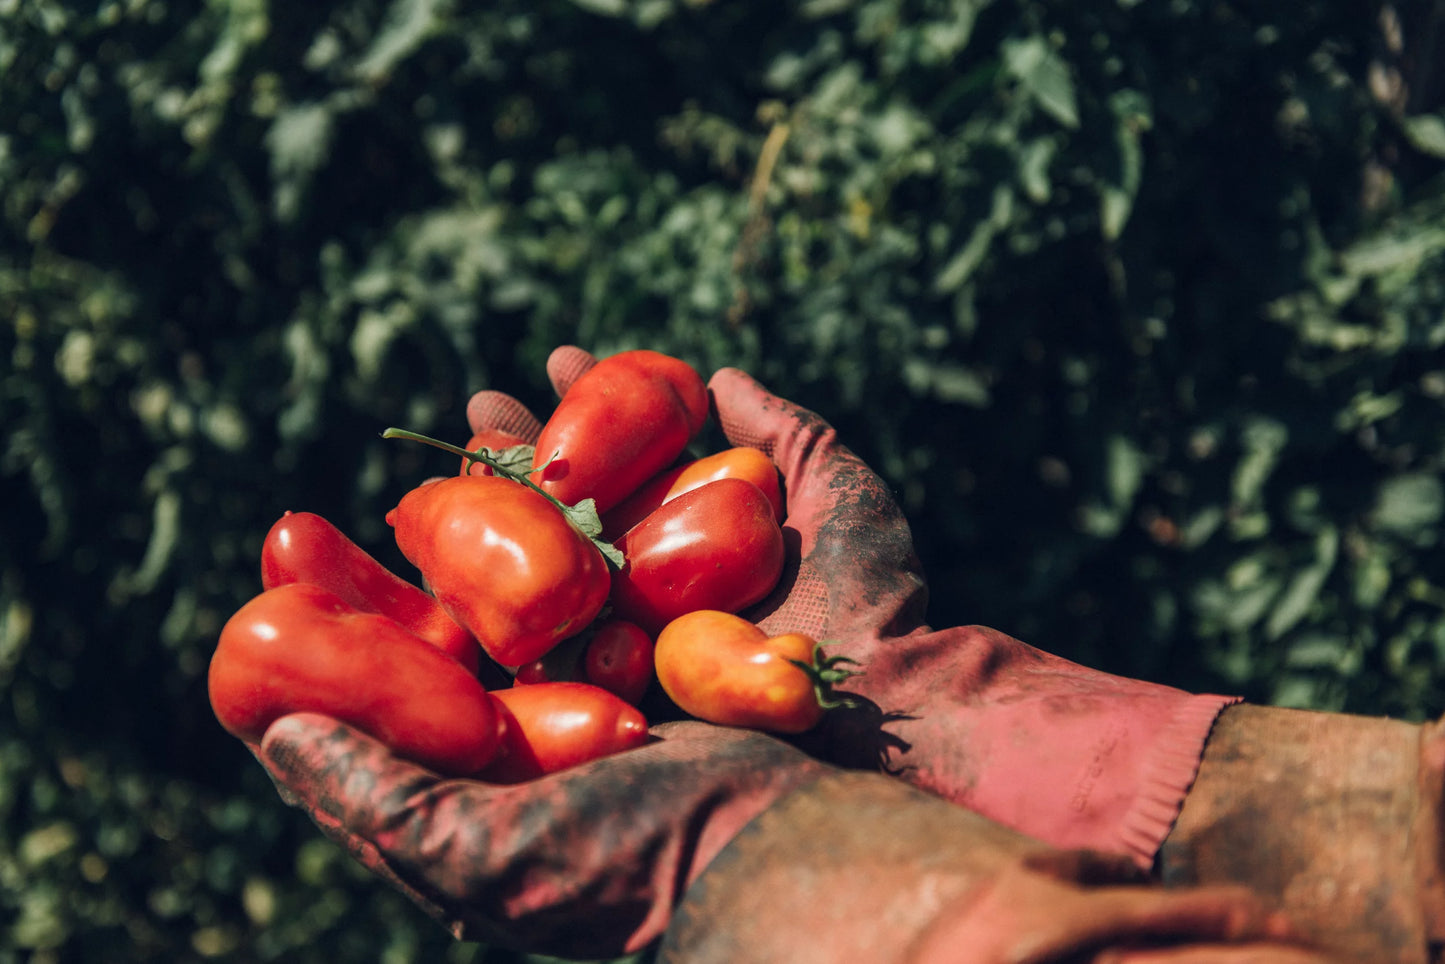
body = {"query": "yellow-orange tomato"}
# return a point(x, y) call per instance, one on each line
point(723, 669)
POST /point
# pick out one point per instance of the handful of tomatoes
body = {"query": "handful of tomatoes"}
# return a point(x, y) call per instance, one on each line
point(586, 565)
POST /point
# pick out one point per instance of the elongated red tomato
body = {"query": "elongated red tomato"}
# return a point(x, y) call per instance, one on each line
point(300, 647)
point(304, 547)
point(503, 561)
point(723, 669)
point(716, 547)
point(556, 726)
point(734, 463)
point(622, 422)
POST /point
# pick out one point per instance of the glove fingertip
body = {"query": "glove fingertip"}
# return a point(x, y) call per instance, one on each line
point(566, 364)
point(490, 410)
point(745, 410)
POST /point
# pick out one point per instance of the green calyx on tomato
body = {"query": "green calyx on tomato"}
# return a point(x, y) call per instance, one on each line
point(514, 464)
point(825, 672)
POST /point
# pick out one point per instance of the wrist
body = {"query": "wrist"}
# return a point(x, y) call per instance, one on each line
point(1322, 812)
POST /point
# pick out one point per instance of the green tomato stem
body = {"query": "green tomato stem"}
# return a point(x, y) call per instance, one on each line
point(477, 456)
point(583, 515)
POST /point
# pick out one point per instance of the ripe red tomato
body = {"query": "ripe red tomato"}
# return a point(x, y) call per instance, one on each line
point(555, 726)
point(721, 668)
point(618, 658)
point(300, 647)
point(734, 463)
point(304, 547)
point(716, 547)
point(621, 423)
point(503, 562)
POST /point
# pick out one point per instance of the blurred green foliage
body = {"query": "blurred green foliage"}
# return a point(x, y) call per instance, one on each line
point(1138, 307)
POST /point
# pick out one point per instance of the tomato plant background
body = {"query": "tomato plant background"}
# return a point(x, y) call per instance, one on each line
point(1138, 307)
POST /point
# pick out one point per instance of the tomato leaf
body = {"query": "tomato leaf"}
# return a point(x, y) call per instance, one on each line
point(517, 458)
point(584, 516)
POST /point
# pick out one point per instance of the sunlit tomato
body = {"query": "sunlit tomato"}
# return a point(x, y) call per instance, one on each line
point(734, 463)
point(300, 647)
point(304, 547)
point(618, 658)
point(618, 425)
point(503, 561)
point(555, 726)
point(723, 669)
point(716, 547)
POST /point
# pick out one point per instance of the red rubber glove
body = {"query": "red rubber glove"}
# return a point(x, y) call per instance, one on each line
point(584, 863)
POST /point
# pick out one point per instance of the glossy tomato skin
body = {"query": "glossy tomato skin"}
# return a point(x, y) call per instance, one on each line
point(618, 425)
point(716, 547)
point(503, 561)
point(723, 669)
point(734, 463)
point(555, 726)
point(301, 648)
point(618, 658)
point(304, 547)
point(492, 438)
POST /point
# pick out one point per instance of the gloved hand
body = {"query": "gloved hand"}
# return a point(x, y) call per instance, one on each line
point(1337, 818)
point(781, 859)
point(1072, 756)
point(584, 863)
point(1069, 755)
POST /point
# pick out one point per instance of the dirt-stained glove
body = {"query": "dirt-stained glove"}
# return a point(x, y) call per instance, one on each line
point(584, 863)
point(1072, 756)
point(781, 859)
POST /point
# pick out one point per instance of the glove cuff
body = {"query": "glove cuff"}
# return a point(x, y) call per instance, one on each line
point(1167, 771)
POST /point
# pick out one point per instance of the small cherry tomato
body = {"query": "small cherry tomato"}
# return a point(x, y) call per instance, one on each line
point(304, 547)
point(300, 647)
point(503, 561)
point(734, 463)
point(560, 664)
point(723, 669)
point(716, 547)
point(555, 726)
point(621, 423)
point(618, 658)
